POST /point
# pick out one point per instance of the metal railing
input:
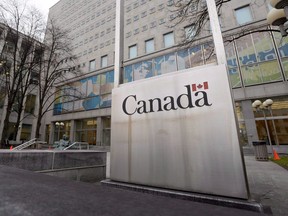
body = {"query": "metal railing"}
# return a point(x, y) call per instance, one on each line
point(25, 145)
point(78, 145)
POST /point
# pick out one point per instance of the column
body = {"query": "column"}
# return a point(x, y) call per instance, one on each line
point(72, 131)
point(250, 123)
point(99, 132)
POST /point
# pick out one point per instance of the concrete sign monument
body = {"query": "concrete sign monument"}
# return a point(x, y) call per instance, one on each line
point(178, 131)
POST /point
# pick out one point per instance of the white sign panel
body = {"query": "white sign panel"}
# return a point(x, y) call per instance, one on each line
point(178, 131)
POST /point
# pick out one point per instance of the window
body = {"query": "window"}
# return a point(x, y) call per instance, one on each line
point(104, 61)
point(243, 15)
point(92, 65)
point(190, 32)
point(168, 39)
point(133, 51)
point(149, 46)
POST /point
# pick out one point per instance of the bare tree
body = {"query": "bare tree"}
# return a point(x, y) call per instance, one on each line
point(22, 26)
point(57, 63)
point(28, 66)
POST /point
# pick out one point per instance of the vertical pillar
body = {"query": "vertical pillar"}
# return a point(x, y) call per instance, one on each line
point(72, 131)
point(216, 32)
point(119, 41)
point(99, 132)
point(250, 123)
point(52, 132)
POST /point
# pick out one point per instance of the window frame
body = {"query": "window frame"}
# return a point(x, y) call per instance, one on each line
point(105, 57)
point(148, 42)
point(165, 39)
point(90, 65)
point(237, 14)
point(131, 48)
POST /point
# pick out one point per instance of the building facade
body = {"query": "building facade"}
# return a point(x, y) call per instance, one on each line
point(257, 63)
point(21, 118)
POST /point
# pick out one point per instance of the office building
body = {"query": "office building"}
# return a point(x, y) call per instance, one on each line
point(257, 63)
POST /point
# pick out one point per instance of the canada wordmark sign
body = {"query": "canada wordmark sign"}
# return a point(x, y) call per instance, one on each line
point(178, 131)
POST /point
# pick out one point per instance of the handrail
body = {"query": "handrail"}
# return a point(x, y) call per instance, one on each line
point(25, 145)
point(79, 143)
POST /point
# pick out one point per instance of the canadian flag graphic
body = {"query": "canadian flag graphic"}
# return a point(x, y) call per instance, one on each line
point(201, 86)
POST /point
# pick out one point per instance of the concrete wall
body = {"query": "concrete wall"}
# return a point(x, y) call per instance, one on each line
point(89, 166)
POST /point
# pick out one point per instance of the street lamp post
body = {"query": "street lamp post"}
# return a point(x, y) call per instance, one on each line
point(259, 106)
point(59, 124)
point(268, 103)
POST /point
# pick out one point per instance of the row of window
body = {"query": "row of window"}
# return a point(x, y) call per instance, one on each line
point(168, 39)
point(103, 63)
point(108, 33)
point(251, 60)
point(89, 93)
point(93, 26)
point(144, 14)
point(75, 15)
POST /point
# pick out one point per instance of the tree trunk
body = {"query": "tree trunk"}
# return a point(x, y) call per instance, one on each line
point(6, 125)
point(38, 124)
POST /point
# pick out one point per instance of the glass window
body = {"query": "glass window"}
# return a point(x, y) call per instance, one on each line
point(128, 74)
point(243, 15)
point(133, 51)
point(30, 103)
point(170, 63)
point(196, 56)
point(106, 131)
point(264, 46)
point(149, 46)
point(232, 65)
point(143, 70)
point(92, 65)
point(168, 39)
point(209, 53)
point(183, 59)
point(104, 61)
point(190, 32)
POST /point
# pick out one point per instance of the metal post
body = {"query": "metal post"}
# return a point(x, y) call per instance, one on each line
point(268, 132)
point(119, 41)
point(59, 132)
point(216, 32)
point(273, 123)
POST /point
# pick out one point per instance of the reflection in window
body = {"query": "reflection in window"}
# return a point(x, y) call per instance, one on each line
point(168, 39)
point(251, 74)
point(149, 46)
point(104, 61)
point(209, 53)
point(106, 131)
point(246, 50)
point(264, 47)
point(128, 74)
point(190, 32)
point(232, 66)
point(30, 104)
point(183, 59)
point(133, 51)
point(170, 63)
point(196, 56)
point(243, 15)
point(143, 70)
point(92, 65)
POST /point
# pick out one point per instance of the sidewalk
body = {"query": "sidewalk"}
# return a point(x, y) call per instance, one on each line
point(26, 193)
point(268, 184)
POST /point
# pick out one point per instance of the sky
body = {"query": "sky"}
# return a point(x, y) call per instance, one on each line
point(43, 5)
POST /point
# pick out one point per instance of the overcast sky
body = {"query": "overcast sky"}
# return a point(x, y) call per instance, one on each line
point(43, 5)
